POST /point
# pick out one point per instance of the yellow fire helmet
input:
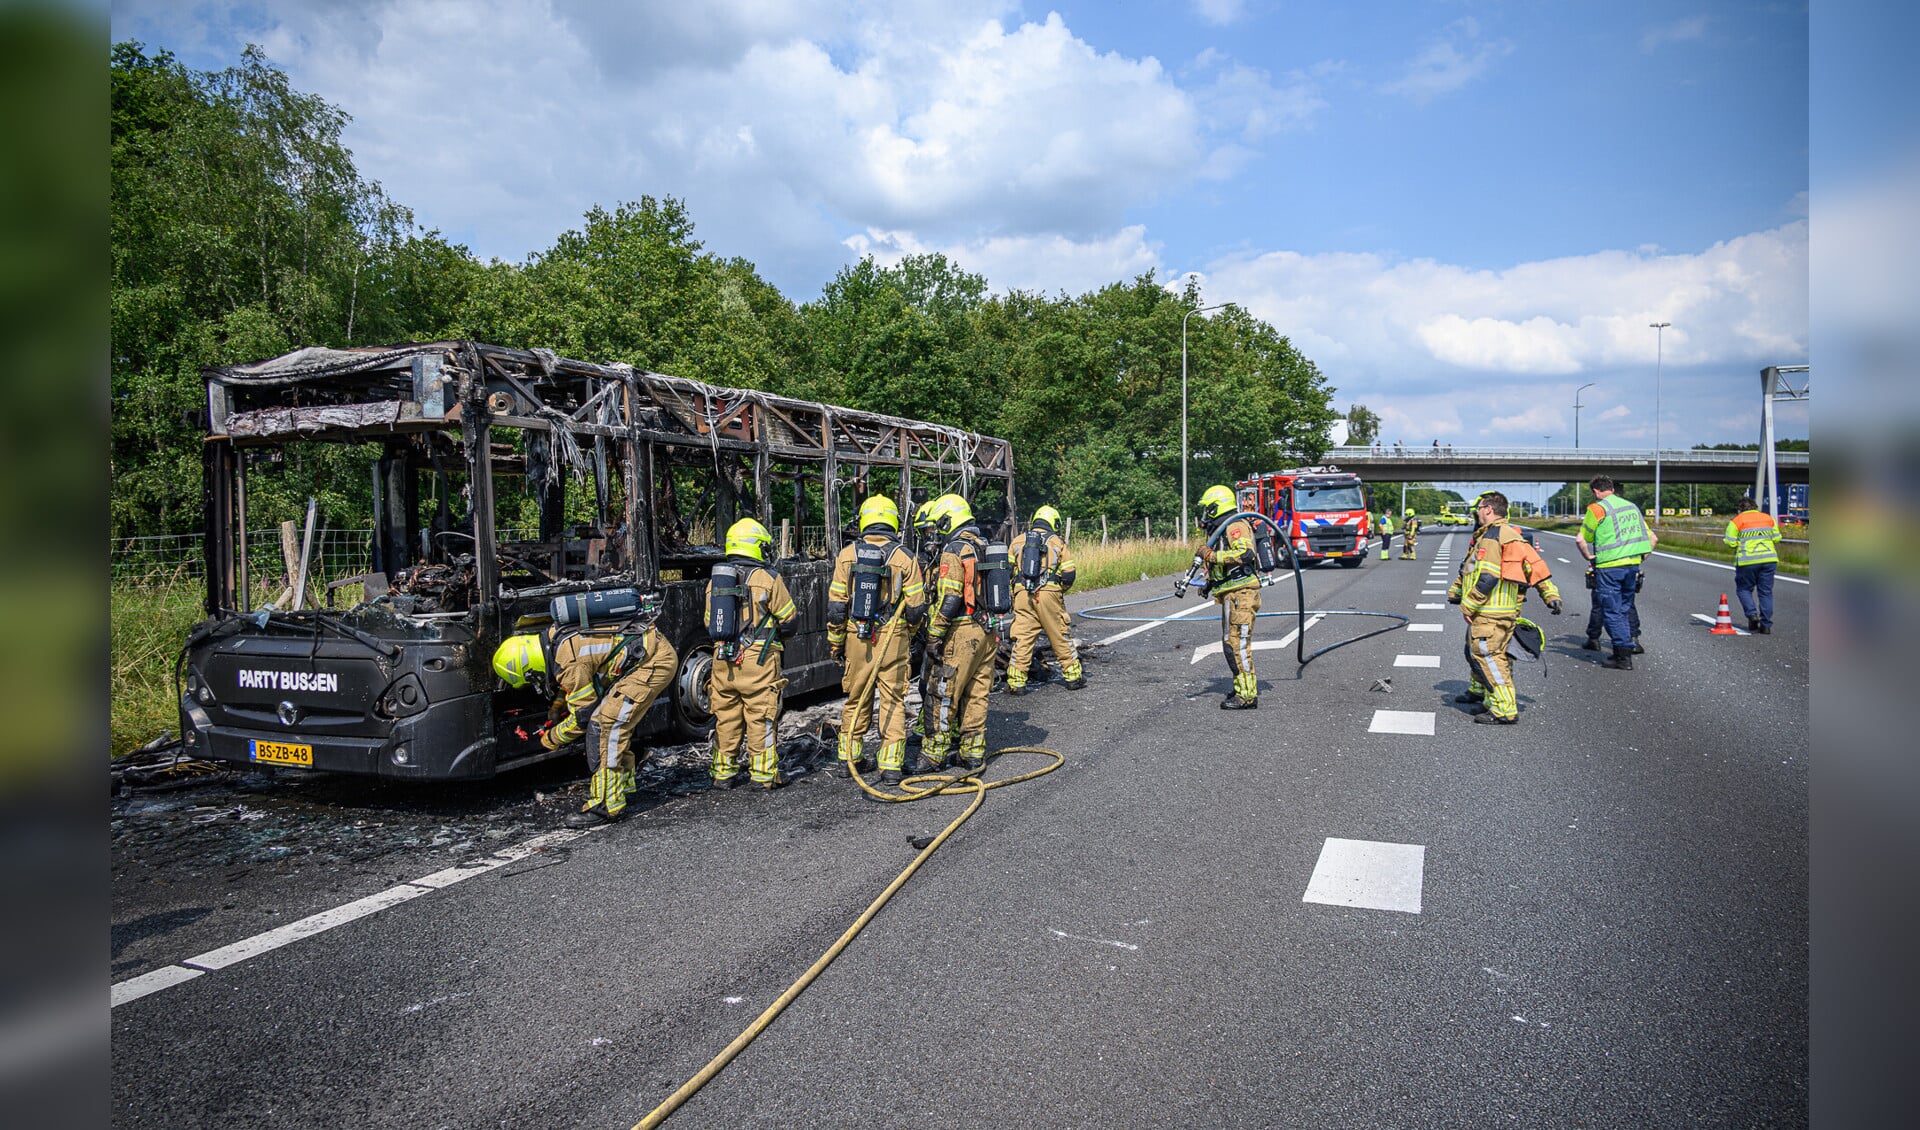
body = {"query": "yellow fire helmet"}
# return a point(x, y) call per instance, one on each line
point(923, 516)
point(879, 510)
point(517, 658)
point(1047, 516)
point(1409, 511)
point(950, 512)
point(748, 538)
point(1217, 502)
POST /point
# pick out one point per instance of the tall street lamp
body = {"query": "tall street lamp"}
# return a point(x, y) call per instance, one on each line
point(1659, 332)
point(1576, 411)
point(1183, 410)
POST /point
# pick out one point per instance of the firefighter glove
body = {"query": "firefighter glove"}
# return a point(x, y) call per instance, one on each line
point(937, 648)
point(1554, 606)
point(1206, 554)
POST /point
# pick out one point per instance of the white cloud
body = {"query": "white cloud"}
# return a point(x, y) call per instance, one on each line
point(1450, 62)
point(1678, 31)
point(1219, 12)
point(784, 126)
point(1617, 412)
point(1047, 264)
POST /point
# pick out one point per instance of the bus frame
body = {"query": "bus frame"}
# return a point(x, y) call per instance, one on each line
point(400, 684)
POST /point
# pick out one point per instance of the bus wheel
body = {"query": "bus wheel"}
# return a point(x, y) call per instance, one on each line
point(692, 711)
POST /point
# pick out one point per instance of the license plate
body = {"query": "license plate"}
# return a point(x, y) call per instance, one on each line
point(281, 753)
point(1336, 553)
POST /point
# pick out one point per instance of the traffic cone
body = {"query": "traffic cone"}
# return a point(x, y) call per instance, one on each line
point(1723, 620)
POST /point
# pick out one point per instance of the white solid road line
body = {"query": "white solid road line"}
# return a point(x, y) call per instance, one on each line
point(1214, 648)
point(1416, 661)
point(133, 988)
point(1203, 606)
point(1706, 619)
point(165, 978)
point(1695, 561)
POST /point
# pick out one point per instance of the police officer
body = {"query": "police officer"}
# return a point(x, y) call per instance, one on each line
point(963, 636)
point(1614, 538)
point(602, 681)
point(1409, 535)
point(1385, 529)
point(1752, 534)
point(874, 605)
point(1045, 573)
point(748, 612)
point(1234, 584)
point(1502, 565)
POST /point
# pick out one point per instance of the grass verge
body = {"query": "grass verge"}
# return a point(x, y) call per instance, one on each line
point(1118, 562)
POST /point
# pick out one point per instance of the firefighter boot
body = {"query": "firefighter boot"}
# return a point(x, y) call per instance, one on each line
point(1074, 674)
point(972, 756)
point(1246, 693)
point(1620, 660)
point(606, 801)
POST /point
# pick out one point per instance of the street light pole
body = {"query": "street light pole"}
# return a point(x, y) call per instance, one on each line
point(1183, 410)
point(1659, 332)
point(1576, 412)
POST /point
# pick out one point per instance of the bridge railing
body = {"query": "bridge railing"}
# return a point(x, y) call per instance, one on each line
point(1561, 454)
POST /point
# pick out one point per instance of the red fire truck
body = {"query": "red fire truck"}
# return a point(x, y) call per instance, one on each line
point(1322, 509)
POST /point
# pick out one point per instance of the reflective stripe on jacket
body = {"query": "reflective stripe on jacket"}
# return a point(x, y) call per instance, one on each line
point(1617, 531)
point(1503, 566)
point(1752, 533)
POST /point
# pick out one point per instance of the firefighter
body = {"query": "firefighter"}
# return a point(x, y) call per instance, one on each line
point(1234, 584)
point(1502, 566)
point(927, 557)
point(1476, 691)
point(963, 636)
point(1045, 573)
point(877, 590)
point(602, 681)
point(1409, 534)
point(748, 612)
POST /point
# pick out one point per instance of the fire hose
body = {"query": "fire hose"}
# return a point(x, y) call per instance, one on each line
point(1301, 655)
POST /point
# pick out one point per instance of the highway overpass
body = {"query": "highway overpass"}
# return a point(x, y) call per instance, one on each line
point(1558, 464)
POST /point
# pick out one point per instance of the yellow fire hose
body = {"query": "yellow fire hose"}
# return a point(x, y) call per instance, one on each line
point(917, 787)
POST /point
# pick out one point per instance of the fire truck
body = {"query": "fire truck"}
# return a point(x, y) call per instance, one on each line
point(1322, 509)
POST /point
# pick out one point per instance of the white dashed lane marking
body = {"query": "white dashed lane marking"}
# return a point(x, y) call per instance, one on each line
point(1428, 607)
point(1368, 874)
point(1426, 627)
point(1416, 661)
point(1433, 592)
point(1402, 722)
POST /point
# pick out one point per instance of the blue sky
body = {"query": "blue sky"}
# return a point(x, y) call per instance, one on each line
point(1461, 210)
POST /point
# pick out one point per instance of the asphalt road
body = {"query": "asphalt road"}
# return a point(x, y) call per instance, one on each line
point(1606, 923)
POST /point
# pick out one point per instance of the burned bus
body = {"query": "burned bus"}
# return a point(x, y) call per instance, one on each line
point(501, 479)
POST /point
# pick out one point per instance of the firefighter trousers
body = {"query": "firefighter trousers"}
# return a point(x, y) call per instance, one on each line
point(1487, 639)
point(609, 744)
point(745, 698)
point(1044, 611)
point(1407, 542)
point(882, 658)
point(1237, 611)
point(961, 683)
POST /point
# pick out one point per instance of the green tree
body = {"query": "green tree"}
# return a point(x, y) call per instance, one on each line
point(1363, 426)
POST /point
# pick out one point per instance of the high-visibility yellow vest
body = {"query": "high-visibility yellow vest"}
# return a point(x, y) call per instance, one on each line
point(1620, 536)
point(1753, 533)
